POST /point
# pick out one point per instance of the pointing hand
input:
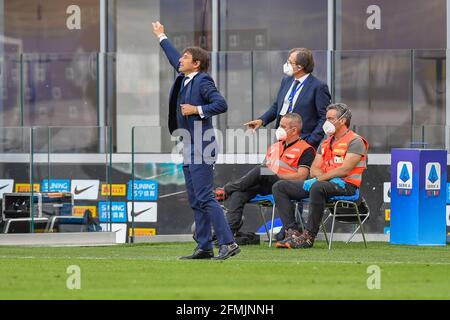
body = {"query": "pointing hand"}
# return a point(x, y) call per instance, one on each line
point(254, 125)
point(158, 29)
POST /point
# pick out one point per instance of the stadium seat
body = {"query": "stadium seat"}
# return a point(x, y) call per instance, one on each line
point(347, 210)
point(263, 203)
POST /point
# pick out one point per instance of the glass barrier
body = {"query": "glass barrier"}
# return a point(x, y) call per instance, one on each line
point(429, 91)
point(394, 88)
point(72, 168)
point(60, 89)
point(245, 25)
point(250, 81)
point(373, 83)
point(235, 82)
point(137, 93)
point(16, 193)
point(383, 139)
point(402, 90)
point(11, 90)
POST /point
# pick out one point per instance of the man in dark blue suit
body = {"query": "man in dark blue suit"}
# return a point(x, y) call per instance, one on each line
point(194, 100)
point(302, 93)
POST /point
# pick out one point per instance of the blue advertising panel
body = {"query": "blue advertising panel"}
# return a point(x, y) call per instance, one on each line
point(448, 193)
point(418, 196)
point(144, 190)
point(118, 212)
point(55, 186)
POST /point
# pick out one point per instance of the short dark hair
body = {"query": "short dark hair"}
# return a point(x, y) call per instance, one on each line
point(304, 58)
point(201, 55)
point(296, 119)
point(342, 110)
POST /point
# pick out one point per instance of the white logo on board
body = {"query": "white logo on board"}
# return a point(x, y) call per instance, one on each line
point(143, 211)
point(6, 186)
point(433, 176)
point(85, 189)
point(404, 175)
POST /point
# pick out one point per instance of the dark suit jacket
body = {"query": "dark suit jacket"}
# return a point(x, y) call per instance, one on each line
point(311, 105)
point(201, 91)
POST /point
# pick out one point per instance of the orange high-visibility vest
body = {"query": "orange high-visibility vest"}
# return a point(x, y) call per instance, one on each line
point(333, 157)
point(282, 161)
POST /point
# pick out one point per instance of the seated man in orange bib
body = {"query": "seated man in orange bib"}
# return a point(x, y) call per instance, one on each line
point(288, 159)
point(336, 171)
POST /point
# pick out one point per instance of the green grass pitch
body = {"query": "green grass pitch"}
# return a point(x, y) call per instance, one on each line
point(153, 271)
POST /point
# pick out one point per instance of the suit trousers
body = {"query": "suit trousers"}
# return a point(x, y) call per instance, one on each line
point(285, 191)
point(207, 211)
point(243, 190)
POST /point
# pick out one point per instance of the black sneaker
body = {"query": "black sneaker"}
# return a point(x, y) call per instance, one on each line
point(290, 234)
point(227, 250)
point(305, 241)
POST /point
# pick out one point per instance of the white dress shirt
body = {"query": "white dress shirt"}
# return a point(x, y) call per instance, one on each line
point(188, 79)
point(288, 94)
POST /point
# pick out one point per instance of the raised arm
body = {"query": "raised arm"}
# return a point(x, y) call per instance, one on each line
point(170, 51)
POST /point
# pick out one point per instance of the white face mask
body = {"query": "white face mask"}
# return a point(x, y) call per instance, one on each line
point(281, 134)
point(329, 128)
point(288, 69)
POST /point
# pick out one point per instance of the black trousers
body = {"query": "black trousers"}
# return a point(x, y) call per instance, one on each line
point(285, 191)
point(241, 191)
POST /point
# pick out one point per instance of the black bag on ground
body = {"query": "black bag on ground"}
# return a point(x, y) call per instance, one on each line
point(247, 238)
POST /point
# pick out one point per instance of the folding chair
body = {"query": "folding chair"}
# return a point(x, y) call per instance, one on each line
point(263, 203)
point(347, 210)
point(343, 209)
point(298, 214)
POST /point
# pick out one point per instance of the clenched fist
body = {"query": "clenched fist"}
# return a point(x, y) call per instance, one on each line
point(188, 110)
